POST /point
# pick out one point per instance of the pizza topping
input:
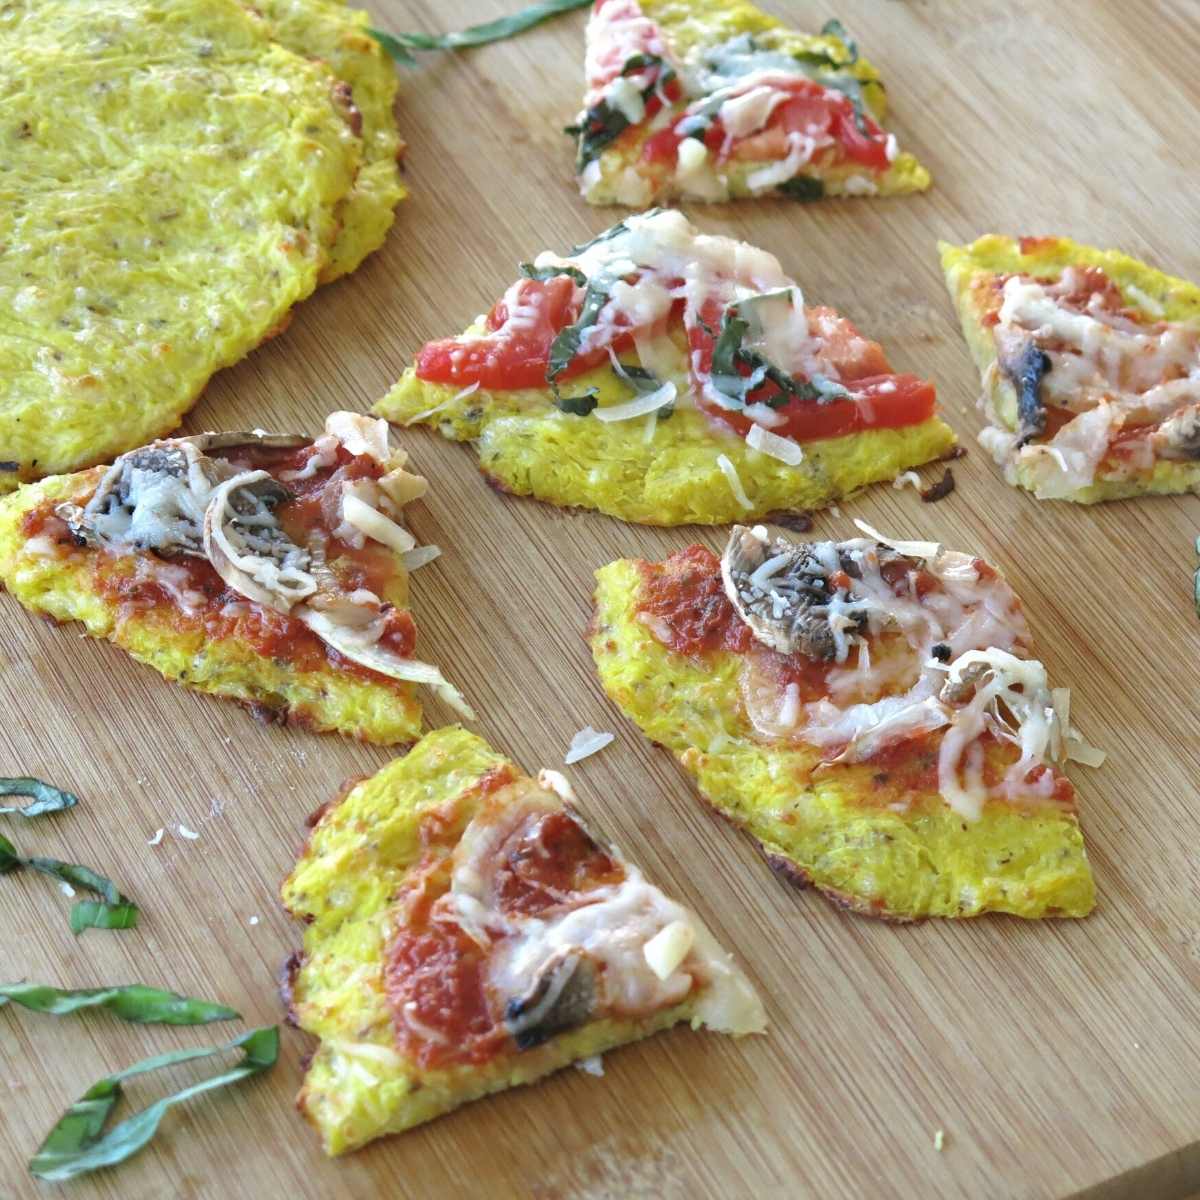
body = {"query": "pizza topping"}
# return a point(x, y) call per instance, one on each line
point(859, 646)
point(738, 102)
point(1099, 381)
point(757, 356)
point(541, 930)
point(252, 512)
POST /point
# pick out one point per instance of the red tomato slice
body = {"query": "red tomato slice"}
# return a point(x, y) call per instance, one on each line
point(510, 357)
point(878, 401)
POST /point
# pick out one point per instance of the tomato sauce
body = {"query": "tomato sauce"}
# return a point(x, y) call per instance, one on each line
point(435, 974)
point(686, 597)
point(549, 860)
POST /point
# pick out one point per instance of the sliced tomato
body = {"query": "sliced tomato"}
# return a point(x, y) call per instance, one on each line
point(510, 357)
point(810, 109)
point(879, 399)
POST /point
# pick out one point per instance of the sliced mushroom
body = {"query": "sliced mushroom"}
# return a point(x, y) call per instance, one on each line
point(152, 498)
point(563, 996)
point(245, 544)
point(361, 645)
point(774, 586)
point(1178, 437)
point(256, 437)
point(1026, 366)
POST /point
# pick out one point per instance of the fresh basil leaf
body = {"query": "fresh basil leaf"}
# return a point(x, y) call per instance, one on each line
point(1195, 588)
point(543, 273)
point(92, 914)
point(79, 1143)
point(803, 188)
point(602, 124)
point(401, 45)
point(45, 798)
point(77, 876)
point(611, 232)
point(834, 28)
point(566, 343)
point(577, 406)
point(114, 911)
point(132, 1002)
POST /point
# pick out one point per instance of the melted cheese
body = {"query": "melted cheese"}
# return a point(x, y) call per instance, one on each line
point(902, 692)
point(652, 952)
point(1112, 372)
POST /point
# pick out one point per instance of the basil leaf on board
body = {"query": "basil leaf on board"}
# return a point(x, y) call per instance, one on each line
point(803, 188)
point(44, 796)
point(91, 914)
point(113, 911)
point(541, 274)
point(79, 1142)
point(1196, 590)
point(132, 1002)
point(401, 45)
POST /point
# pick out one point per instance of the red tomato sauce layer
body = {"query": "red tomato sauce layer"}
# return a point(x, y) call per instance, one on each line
point(686, 599)
point(435, 974)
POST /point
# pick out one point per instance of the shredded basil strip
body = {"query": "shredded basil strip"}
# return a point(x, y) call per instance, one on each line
point(131, 1002)
point(642, 383)
point(44, 796)
point(602, 124)
point(80, 1143)
point(114, 911)
point(541, 274)
point(834, 28)
point(577, 406)
point(566, 343)
point(401, 45)
point(803, 188)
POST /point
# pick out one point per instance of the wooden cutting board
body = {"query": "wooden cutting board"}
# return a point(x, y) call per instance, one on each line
point(1055, 1056)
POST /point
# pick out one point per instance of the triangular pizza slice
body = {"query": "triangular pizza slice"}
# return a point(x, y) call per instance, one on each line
point(269, 568)
point(670, 377)
point(870, 711)
point(714, 99)
point(1090, 362)
point(467, 933)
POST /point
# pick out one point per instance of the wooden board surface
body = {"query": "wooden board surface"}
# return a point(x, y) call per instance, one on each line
point(1056, 1057)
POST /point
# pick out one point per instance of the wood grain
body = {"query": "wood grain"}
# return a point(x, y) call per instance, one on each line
point(1058, 1058)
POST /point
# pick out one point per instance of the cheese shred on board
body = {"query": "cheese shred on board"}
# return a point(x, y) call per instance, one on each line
point(870, 710)
point(756, 400)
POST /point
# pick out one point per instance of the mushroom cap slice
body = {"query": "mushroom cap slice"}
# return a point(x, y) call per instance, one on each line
point(774, 585)
point(256, 437)
point(152, 498)
point(360, 645)
point(247, 547)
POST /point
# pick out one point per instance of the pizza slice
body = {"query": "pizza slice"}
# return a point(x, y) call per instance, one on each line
point(869, 710)
point(1090, 362)
point(670, 377)
point(466, 933)
point(713, 100)
point(269, 568)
